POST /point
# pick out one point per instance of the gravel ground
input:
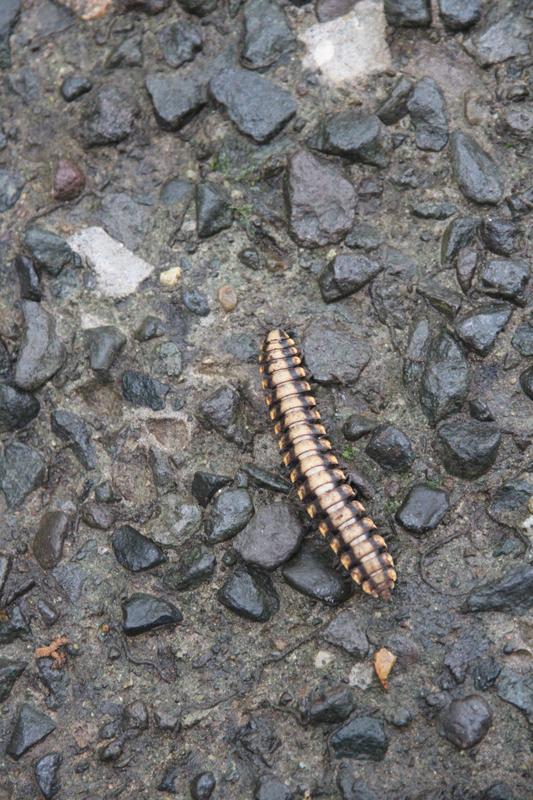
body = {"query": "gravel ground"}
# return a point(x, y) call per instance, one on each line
point(175, 180)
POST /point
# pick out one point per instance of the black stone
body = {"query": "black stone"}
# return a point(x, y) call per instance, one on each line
point(423, 508)
point(10, 671)
point(523, 339)
point(105, 344)
point(48, 542)
point(150, 328)
point(48, 250)
point(57, 682)
point(518, 690)
point(251, 258)
point(458, 235)
point(267, 35)
point(475, 171)
point(443, 299)
point(364, 237)
point(465, 268)
point(167, 783)
point(391, 448)
point(480, 410)
point(202, 786)
point(334, 353)
point(328, 706)
point(135, 716)
point(355, 135)
point(416, 353)
point(267, 480)
point(31, 726)
point(151, 7)
point(22, 469)
point(42, 353)
point(73, 429)
point(213, 210)
point(195, 567)
point(468, 448)
point(363, 737)
point(196, 302)
point(221, 412)
point(75, 86)
point(142, 390)
point(17, 408)
point(272, 788)
point(445, 380)
point(127, 54)
point(258, 107)
point(143, 612)
point(108, 117)
point(346, 631)
point(427, 109)
point(175, 99)
point(230, 511)
point(458, 15)
point(357, 426)
point(501, 236)
point(13, 626)
point(135, 551)
point(206, 484)
point(506, 278)
point(513, 592)
point(11, 186)
point(394, 108)
point(408, 13)
point(429, 210)
point(345, 275)
point(179, 42)
point(271, 537)
point(29, 280)
point(249, 593)
point(479, 328)
point(526, 382)
point(466, 721)
point(312, 572)
point(509, 503)
point(201, 8)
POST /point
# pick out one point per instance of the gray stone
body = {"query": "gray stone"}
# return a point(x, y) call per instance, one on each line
point(478, 176)
point(175, 99)
point(526, 382)
point(229, 513)
point(11, 185)
point(423, 508)
point(479, 328)
point(202, 786)
point(391, 448)
point(321, 202)
point(333, 353)
point(394, 108)
point(206, 484)
point(459, 15)
point(201, 8)
point(518, 690)
point(46, 771)
point(429, 210)
point(75, 86)
point(427, 109)
point(509, 503)
point(135, 551)
point(73, 430)
point(362, 737)
point(445, 380)
point(196, 302)
point(506, 278)
point(267, 35)
point(213, 210)
point(9, 14)
point(127, 54)
point(22, 469)
point(258, 107)
point(271, 537)
point(42, 353)
point(513, 592)
point(29, 279)
point(443, 299)
point(17, 408)
point(501, 39)
point(30, 727)
point(13, 626)
point(179, 42)
point(355, 135)
point(501, 236)
point(345, 631)
point(108, 117)
point(466, 721)
point(465, 268)
point(329, 706)
point(143, 612)
point(221, 412)
point(48, 250)
point(408, 13)
point(345, 275)
point(105, 344)
point(250, 594)
point(357, 426)
point(10, 672)
point(468, 448)
point(416, 353)
point(312, 572)
point(142, 390)
point(364, 237)
point(195, 567)
point(48, 541)
point(459, 234)
point(393, 308)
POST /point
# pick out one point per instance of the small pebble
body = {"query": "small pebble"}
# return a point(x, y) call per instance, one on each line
point(170, 277)
point(227, 297)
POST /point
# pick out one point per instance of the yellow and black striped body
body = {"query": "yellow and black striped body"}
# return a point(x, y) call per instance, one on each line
point(314, 469)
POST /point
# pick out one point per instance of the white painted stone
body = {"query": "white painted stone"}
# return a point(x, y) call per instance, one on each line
point(361, 675)
point(118, 271)
point(349, 48)
point(323, 658)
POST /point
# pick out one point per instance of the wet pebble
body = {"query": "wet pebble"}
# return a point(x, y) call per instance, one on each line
point(142, 390)
point(501, 236)
point(517, 689)
point(391, 448)
point(30, 726)
point(328, 706)
point(466, 721)
point(227, 297)
point(98, 515)
point(195, 567)
point(48, 541)
point(257, 106)
point(29, 278)
point(357, 426)
point(512, 592)
point(312, 572)
point(334, 354)
point(75, 86)
point(150, 328)
point(459, 15)
point(502, 38)
point(179, 42)
point(196, 302)
point(229, 513)
point(362, 737)
point(249, 593)
point(108, 117)
point(458, 235)
point(408, 13)
point(135, 716)
point(345, 275)
point(251, 258)
point(9, 15)
point(221, 412)
point(321, 202)
point(202, 786)
point(73, 430)
point(206, 484)
point(433, 210)
point(143, 612)
point(11, 186)
point(364, 237)
point(42, 353)
point(69, 180)
point(267, 480)
point(48, 250)
point(526, 382)
point(105, 344)
point(523, 339)
point(479, 328)
point(468, 448)
point(135, 551)
point(423, 508)
point(394, 108)
point(345, 631)
point(267, 35)
point(506, 278)
point(465, 267)
point(475, 171)
point(13, 626)
point(17, 408)
point(271, 537)
point(416, 353)
point(445, 379)
point(213, 209)
point(443, 299)
point(22, 470)
point(355, 135)
point(175, 99)
point(10, 672)
point(427, 109)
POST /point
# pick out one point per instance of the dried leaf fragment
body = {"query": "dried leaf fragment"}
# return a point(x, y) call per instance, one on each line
point(384, 661)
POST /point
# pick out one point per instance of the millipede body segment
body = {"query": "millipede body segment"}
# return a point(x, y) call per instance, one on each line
point(320, 482)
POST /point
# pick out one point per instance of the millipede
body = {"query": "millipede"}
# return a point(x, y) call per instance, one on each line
point(321, 484)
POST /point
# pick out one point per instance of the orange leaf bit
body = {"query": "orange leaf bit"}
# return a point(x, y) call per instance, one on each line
point(384, 661)
point(52, 651)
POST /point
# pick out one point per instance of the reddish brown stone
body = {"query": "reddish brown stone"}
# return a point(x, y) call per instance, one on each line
point(69, 180)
